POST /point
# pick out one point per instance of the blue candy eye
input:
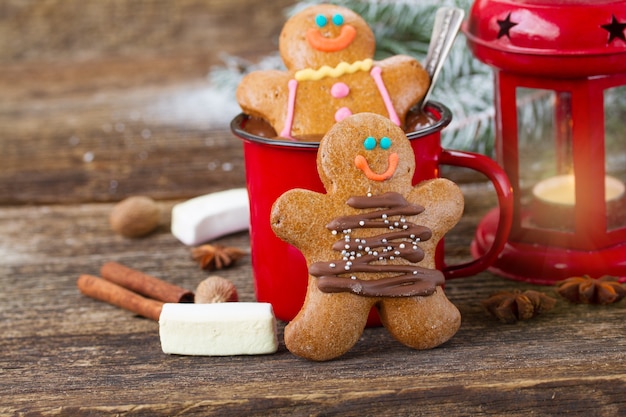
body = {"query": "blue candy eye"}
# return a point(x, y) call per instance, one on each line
point(321, 20)
point(385, 142)
point(369, 143)
point(338, 19)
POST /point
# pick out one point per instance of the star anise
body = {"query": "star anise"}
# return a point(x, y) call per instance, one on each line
point(511, 306)
point(587, 290)
point(216, 256)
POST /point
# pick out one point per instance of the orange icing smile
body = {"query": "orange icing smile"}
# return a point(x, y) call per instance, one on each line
point(361, 163)
point(321, 43)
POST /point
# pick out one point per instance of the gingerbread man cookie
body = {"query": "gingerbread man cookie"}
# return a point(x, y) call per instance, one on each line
point(369, 242)
point(328, 52)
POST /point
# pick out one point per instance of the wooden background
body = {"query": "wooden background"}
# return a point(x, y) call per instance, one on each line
point(100, 100)
point(87, 83)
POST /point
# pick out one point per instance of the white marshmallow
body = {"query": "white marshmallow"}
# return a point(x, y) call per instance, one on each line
point(210, 216)
point(220, 329)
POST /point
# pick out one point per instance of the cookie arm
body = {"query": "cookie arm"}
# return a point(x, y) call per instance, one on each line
point(293, 215)
point(443, 202)
point(264, 94)
point(406, 82)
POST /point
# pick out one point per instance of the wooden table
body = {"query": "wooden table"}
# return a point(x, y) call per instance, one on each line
point(74, 142)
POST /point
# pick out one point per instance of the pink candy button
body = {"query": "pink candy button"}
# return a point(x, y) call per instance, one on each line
point(339, 90)
point(342, 113)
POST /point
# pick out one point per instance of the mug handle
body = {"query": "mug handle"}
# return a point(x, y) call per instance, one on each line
point(498, 177)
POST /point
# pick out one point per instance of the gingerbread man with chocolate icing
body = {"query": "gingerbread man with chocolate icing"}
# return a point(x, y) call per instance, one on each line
point(369, 242)
point(328, 52)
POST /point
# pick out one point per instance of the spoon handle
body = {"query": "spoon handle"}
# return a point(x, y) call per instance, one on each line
point(447, 23)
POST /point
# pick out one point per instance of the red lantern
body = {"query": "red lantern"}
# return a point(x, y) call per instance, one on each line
point(560, 105)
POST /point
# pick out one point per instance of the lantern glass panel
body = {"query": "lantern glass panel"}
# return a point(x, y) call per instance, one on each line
point(615, 155)
point(546, 172)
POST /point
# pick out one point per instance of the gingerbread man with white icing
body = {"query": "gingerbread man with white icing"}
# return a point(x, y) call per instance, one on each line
point(369, 242)
point(328, 52)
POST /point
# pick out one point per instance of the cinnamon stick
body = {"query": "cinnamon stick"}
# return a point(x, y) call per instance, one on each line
point(116, 295)
point(145, 284)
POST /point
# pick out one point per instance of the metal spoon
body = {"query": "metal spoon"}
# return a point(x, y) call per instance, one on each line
point(447, 23)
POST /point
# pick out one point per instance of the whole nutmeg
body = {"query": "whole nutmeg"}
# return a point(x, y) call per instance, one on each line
point(135, 216)
point(215, 289)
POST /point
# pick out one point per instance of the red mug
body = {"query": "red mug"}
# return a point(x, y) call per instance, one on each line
point(274, 166)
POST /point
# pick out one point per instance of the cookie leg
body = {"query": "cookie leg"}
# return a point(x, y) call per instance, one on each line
point(328, 325)
point(421, 322)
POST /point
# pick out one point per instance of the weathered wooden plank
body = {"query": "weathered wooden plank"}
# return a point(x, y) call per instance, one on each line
point(169, 164)
point(82, 30)
point(101, 100)
point(66, 354)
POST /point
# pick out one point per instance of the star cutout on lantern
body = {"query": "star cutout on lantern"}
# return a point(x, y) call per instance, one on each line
point(505, 26)
point(615, 29)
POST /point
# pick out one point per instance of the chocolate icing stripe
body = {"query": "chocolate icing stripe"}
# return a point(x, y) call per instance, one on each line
point(365, 219)
point(399, 286)
point(393, 251)
point(433, 277)
point(324, 268)
point(413, 233)
point(388, 199)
